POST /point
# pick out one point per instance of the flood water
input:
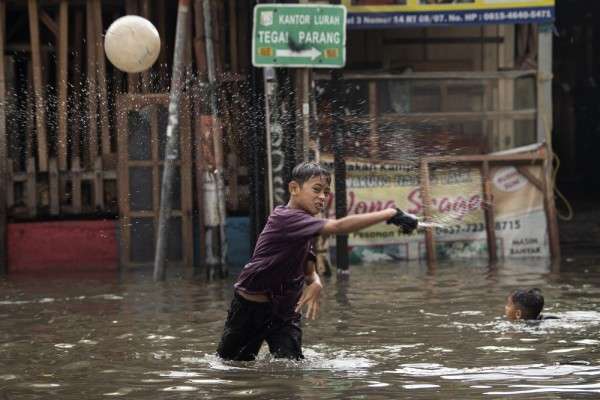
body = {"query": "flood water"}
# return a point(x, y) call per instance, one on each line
point(386, 332)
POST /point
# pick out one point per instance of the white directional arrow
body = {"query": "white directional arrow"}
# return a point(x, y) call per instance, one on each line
point(311, 53)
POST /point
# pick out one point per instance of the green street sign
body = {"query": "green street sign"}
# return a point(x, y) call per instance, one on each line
point(299, 35)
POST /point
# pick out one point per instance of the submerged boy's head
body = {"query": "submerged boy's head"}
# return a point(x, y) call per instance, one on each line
point(309, 187)
point(524, 304)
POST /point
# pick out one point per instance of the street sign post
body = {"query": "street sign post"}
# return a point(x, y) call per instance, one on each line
point(299, 35)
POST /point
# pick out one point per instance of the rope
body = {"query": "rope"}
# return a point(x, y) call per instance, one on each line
point(559, 195)
point(554, 173)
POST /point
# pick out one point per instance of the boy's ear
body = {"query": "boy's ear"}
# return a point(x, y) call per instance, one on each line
point(294, 187)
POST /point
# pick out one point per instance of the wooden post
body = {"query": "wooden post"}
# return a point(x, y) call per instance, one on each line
point(232, 107)
point(163, 62)
point(373, 112)
point(77, 115)
point(243, 35)
point(38, 88)
point(229, 102)
point(92, 95)
point(506, 87)
point(31, 188)
point(217, 175)
point(544, 129)
point(53, 184)
point(10, 182)
point(101, 78)
point(426, 197)
point(218, 34)
point(123, 180)
point(233, 34)
point(146, 81)
point(201, 67)
point(63, 76)
point(549, 205)
point(199, 42)
point(133, 80)
point(488, 210)
point(155, 156)
point(4, 182)
point(489, 62)
point(98, 184)
point(544, 86)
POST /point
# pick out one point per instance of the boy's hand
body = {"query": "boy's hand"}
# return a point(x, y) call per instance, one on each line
point(407, 222)
point(310, 298)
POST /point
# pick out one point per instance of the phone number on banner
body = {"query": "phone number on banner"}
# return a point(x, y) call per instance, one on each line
point(516, 15)
point(478, 227)
point(382, 20)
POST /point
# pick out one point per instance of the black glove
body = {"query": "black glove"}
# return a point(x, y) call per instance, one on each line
point(407, 222)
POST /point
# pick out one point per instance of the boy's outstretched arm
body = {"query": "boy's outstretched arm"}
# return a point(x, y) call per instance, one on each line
point(356, 222)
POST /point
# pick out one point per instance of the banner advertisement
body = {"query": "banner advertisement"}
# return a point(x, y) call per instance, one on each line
point(374, 14)
point(457, 205)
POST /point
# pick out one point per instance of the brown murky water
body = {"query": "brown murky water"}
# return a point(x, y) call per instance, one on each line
point(387, 332)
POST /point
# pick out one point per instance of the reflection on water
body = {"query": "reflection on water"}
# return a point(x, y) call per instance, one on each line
point(386, 331)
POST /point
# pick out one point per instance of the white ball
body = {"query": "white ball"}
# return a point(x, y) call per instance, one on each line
point(132, 43)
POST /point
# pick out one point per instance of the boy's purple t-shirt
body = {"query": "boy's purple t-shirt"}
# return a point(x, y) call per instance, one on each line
point(277, 265)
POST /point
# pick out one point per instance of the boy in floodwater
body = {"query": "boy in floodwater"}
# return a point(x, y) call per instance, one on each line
point(281, 278)
point(525, 305)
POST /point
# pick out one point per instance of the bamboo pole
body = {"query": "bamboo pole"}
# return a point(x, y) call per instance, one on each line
point(200, 58)
point(243, 35)
point(373, 123)
point(339, 167)
point(163, 67)
point(544, 129)
point(125, 220)
point(63, 76)
point(172, 149)
point(77, 115)
point(31, 187)
point(234, 101)
point(99, 183)
point(217, 35)
point(146, 83)
point(199, 41)
point(38, 88)
point(133, 80)
point(490, 221)
point(92, 95)
point(233, 34)
point(217, 143)
point(426, 197)
point(101, 79)
point(3, 151)
point(53, 186)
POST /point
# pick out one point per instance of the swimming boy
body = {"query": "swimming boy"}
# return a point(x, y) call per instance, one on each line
point(524, 304)
point(281, 277)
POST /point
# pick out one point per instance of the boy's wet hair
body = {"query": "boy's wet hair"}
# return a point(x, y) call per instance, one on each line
point(308, 169)
point(530, 302)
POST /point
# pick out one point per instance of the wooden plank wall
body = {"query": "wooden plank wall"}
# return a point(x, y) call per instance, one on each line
point(64, 160)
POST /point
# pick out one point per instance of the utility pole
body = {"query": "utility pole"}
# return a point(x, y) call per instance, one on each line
point(172, 147)
point(339, 166)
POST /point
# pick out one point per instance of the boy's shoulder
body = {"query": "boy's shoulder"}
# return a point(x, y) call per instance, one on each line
point(289, 212)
